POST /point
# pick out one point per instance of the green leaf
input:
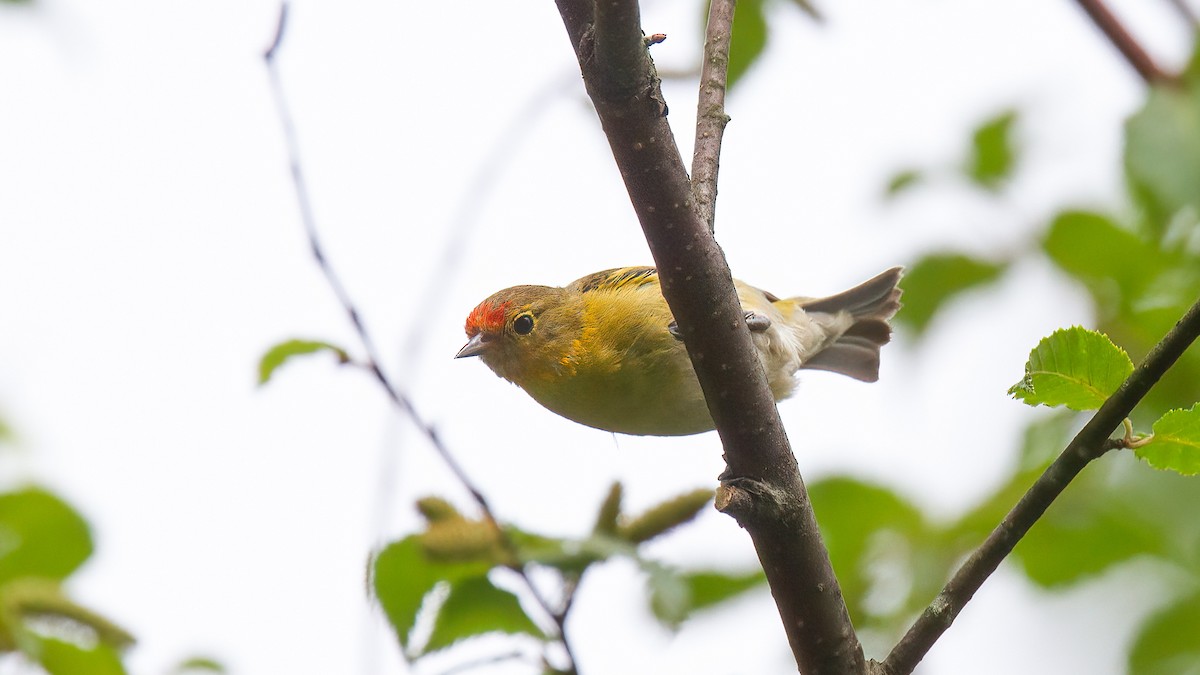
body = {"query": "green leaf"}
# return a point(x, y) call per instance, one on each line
point(992, 153)
point(279, 354)
point(1080, 538)
point(62, 657)
point(1176, 442)
point(40, 536)
point(863, 524)
point(666, 516)
point(1167, 644)
point(197, 664)
point(1074, 367)
point(670, 600)
point(1114, 262)
point(937, 278)
point(748, 39)
point(403, 575)
point(476, 607)
point(675, 596)
point(1162, 149)
point(902, 181)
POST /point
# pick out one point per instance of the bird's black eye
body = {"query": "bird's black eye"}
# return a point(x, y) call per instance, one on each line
point(523, 324)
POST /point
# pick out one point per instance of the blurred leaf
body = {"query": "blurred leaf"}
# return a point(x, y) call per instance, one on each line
point(1074, 367)
point(669, 596)
point(279, 354)
point(61, 657)
point(476, 607)
point(937, 278)
point(1079, 538)
point(40, 536)
point(660, 519)
point(462, 540)
point(675, 596)
point(1043, 440)
point(853, 515)
point(198, 664)
point(1093, 248)
point(1167, 643)
point(748, 39)
point(1176, 443)
point(902, 181)
point(992, 152)
point(610, 511)
point(1162, 149)
point(39, 601)
point(809, 9)
point(404, 575)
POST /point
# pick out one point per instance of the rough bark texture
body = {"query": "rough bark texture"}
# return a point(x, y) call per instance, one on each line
point(761, 487)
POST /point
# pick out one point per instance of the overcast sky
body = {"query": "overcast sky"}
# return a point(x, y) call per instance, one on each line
point(150, 251)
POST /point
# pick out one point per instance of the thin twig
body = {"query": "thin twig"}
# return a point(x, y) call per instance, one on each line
point(1129, 47)
point(399, 398)
point(1185, 10)
point(1089, 444)
point(710, 109)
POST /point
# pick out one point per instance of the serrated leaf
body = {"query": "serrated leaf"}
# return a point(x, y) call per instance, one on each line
point(280, 354)
point(937, 278)
point(403, 575)
point(40, 536)
point(1073, 367)
point(1166, 643)
point(1176, 442)
point(1162, 149)
point(748, 39)
point(902, 181)
point(476, 607)
point(993, 154)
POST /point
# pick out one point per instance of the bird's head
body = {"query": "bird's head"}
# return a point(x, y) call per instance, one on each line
point(524, 331)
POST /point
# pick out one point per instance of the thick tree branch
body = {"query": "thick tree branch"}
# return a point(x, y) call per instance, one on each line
point(1116, 33)
point(710, 108)
point(762, 486)
point(1090, 443)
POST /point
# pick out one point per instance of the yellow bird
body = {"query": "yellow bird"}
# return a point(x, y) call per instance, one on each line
point(604, 350)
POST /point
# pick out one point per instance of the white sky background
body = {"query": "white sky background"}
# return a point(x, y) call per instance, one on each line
point(150, 251)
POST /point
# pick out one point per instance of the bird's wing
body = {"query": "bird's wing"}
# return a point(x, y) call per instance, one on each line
point(611, 280)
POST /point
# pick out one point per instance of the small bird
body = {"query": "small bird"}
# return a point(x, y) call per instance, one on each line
point(604, 351)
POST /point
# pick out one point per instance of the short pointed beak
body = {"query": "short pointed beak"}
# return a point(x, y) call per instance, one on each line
point(474, 347)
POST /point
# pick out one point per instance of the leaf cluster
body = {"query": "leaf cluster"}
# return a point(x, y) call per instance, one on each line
point(450, 577)
point(1141, 270)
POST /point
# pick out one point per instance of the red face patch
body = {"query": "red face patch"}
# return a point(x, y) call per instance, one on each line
point(486, 318)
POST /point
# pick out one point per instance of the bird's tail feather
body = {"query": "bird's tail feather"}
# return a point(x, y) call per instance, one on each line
point(871, 304)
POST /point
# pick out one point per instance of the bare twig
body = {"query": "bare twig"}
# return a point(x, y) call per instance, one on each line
point(399, 398)
point(1185, 10)
point(710, 108)
point(762, 484)
point(1129, 47)
point(1089, 444)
